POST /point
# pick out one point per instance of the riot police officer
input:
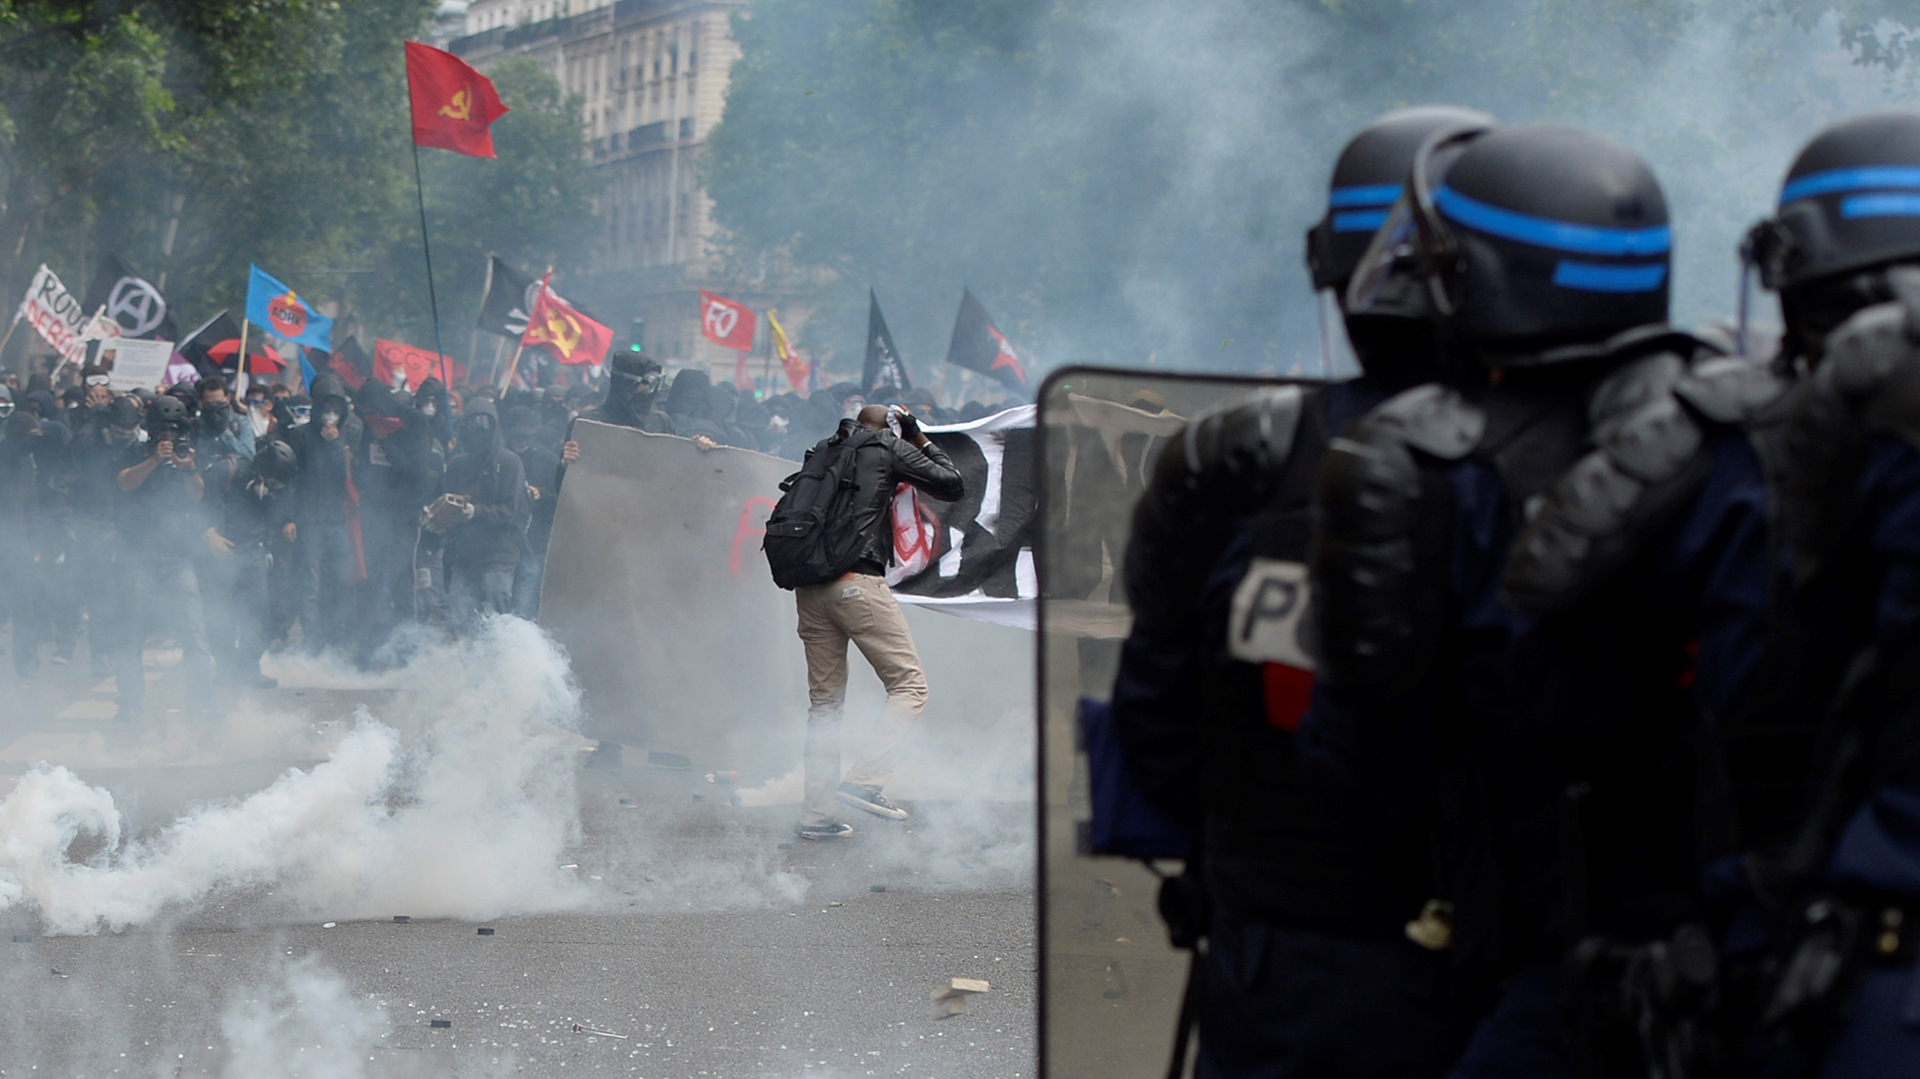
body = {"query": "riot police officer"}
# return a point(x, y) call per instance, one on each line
point(1306, 953)
point(1839, 873)
point(1534, 596)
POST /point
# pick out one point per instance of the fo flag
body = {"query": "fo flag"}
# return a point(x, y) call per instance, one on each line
point(509, 296)
point(558, 328)
point(281, 312)
point(885, 376)
point(725, 322)
point(131, 301)
point(452, 103)
point(978, 346)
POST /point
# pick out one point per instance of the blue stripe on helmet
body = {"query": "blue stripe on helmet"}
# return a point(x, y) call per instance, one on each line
point(1864, 178)
point(1884, 205)
point(1545, 232)
point(1359, 220)
point(1366, 195)
point(1596, 277)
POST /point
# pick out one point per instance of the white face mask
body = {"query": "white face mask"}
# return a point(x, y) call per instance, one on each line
point(259, 420)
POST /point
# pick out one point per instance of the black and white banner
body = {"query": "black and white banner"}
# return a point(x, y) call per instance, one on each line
point(974, 557)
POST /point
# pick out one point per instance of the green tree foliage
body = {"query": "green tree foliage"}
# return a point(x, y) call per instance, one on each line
point(1132, 178)
point(194, 138)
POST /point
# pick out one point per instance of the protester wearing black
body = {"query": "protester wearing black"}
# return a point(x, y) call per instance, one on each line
point(257, 507)
point(397, 473)
point(483, 516)
point(161, 488)
point(103, 580)
point(542, 468)
point(327, 515)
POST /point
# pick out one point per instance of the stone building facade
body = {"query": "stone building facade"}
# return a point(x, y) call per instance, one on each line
point(652, 76)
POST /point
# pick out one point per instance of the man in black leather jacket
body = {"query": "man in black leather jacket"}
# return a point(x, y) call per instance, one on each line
point(860, 608)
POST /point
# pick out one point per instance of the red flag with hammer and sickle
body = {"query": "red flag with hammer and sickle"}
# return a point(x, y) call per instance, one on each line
point(453, 105)
point(564, 332)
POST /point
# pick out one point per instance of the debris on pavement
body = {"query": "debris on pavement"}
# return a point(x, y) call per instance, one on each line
point(950, 997)
point(578, 1029)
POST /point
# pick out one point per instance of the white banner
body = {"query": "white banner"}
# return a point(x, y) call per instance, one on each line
point(55, 314)
point(132, 364)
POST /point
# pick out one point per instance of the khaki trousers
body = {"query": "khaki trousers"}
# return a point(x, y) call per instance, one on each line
point(861, 609)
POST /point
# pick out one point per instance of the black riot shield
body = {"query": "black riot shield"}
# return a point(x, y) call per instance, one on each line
point(1111, 983)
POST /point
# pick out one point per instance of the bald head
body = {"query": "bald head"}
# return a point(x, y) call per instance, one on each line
point(873, 417)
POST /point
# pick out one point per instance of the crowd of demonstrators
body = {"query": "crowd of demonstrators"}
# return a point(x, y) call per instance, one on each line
point(233, 520)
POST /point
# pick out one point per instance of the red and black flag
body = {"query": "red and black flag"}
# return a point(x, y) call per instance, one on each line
point(885, 376)
point(351, 363)
point(980, 346)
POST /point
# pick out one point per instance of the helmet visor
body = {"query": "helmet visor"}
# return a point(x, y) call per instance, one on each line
point(1390, 281)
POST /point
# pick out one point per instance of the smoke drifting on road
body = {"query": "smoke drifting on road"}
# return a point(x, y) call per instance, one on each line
point(460, 804)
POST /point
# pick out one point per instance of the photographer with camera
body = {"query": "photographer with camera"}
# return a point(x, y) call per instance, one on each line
point(161, 488)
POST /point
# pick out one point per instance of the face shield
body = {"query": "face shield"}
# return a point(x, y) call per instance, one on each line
point(1412, 268)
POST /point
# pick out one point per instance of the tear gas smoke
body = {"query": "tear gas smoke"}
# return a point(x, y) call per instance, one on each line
point(461, 806)
point(303, 1023)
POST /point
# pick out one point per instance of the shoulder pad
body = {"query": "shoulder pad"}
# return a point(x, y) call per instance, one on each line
point(1646, 465)
point(1245, 436)
point(1865, 349)
point(1433, 419)
point(1731, 389)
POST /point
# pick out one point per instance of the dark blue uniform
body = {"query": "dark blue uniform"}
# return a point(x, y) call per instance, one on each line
point(1599, 701)
point(1308, 971)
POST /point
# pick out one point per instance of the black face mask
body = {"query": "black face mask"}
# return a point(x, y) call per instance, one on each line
point(215, 417)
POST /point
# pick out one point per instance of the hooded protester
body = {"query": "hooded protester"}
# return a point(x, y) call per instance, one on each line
point(542, 468)
point(100, 582)
point(690, 405)
point(435, 405)
point(255, 510)
point(326, 514)
point(482, 517)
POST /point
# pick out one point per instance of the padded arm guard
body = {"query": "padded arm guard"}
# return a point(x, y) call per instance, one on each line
point(1868, 385)
point(1379, 562)
point(1648, 462)
point(1222, 466)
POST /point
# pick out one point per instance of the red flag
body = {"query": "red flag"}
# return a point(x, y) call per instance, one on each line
point(726, 323)
point(566, 334)
point(452, 103)
point(419, 364)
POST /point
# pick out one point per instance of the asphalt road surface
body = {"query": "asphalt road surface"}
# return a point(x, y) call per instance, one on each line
point(713, 944)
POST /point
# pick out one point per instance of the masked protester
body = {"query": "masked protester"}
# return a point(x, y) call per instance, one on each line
point(327, 523)
point(1305, 932)
point(256, 508)
point(542, 468)
point(161, 488)
point(481, 519)
point(103, 581)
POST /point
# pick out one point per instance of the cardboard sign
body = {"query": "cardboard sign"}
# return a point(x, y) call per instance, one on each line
point(132, 364)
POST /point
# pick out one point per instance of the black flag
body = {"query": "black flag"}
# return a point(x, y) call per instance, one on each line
point(214, 331)
point(978, 346)
point(510, 295)
point(130, 300)
point(885, 375)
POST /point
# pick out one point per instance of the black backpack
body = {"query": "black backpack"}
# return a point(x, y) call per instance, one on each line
point(811, 535)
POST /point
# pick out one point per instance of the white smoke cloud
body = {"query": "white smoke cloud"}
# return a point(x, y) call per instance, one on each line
point(304, 1023)
point(463, 807)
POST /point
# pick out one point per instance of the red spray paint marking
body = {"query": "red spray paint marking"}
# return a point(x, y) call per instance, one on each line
point(748, 530)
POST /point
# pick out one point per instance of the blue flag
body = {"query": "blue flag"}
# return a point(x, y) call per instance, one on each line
point(281, 312)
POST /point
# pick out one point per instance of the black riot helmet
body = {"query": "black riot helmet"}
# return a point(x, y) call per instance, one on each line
point(167, 414)
point(275, 461)
point(1849, 207)
point(1367, 179)
point(1530, 235)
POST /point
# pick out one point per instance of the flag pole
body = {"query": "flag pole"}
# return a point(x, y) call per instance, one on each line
point(433, 301)
point(240, 379)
